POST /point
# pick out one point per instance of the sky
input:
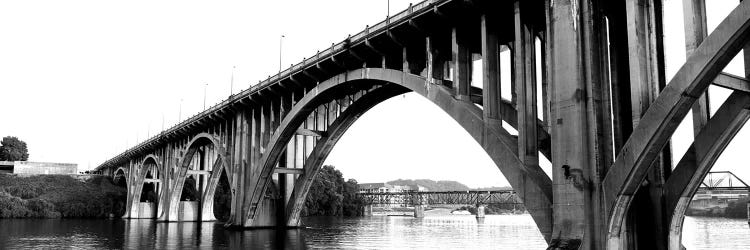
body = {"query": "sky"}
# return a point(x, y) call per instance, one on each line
point(81, 81)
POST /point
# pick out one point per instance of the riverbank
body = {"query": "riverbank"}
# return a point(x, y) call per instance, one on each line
point(55, 196)
point(733, 209)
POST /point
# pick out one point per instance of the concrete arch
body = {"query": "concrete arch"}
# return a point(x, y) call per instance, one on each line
point(181, 172)
point(326, 143)
point(534, 186)
point(120, 173)
point(692, 169)
point(134, 197)
point(665, 113)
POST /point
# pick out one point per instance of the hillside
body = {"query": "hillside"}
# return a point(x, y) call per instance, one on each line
point(432, 185)
point(49, 196)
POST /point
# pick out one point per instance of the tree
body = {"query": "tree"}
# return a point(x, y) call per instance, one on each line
point(330, 195)
point(13, 149)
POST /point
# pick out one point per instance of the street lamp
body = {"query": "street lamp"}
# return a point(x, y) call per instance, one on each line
point(280, 43)
point(231, 82)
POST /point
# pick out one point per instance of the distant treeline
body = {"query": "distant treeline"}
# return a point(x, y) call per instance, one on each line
point(54, 196)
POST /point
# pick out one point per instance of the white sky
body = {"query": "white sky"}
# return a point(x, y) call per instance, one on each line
point(81, 81)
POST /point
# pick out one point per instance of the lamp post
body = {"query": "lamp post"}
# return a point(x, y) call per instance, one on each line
point(205, 86)
point(231, 82)
point(280, 43)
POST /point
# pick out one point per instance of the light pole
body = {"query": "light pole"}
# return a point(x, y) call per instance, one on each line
point(231, 82)
point(280, 43)
point(205, 86)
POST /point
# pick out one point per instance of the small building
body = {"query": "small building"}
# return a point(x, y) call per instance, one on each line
point(37, 168)
point(375, 188)
point(382, 187)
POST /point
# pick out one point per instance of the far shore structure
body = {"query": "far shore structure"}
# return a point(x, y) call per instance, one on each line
point(37, 168)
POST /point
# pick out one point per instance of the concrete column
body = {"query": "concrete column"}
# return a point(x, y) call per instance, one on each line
point(461, 59)
point(405, 60)
point(480, 211)
point(525, 78)
point(647, 216)
point(434, 62)
point(418, 211)
point(491, 97)
point(695, 31)
point(575, 106)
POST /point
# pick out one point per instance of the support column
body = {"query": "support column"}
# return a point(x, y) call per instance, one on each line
point(461, 58)
point(525, 77)
point(694, 12)
point(647, 217)
point(434, 63)
point(491, 97)
point(575, 123)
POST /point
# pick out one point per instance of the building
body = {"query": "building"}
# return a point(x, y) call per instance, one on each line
point(382, 187)
point(37, 168)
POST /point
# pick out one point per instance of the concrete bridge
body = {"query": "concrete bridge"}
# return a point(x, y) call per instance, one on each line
point(608, 113)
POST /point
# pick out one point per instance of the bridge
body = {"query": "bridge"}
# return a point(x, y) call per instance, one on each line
point(607, 116)
point(420, 199)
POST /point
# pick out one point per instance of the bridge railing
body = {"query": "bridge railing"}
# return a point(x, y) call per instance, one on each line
point(326, 54)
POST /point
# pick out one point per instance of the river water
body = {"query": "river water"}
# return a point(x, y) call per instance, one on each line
point(376, 232)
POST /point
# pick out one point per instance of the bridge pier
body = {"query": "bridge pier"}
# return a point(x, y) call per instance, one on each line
point(480, 211)
point(367, 210)
point(418, 211)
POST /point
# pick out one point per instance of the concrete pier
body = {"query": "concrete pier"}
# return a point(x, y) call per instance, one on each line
point(480, 211)
point(367, 210)
point(418, 211)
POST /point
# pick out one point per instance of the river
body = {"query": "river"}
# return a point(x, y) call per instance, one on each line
point(376, 232)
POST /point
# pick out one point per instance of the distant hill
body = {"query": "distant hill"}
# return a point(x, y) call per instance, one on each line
point(503, 188)
point(432, 185)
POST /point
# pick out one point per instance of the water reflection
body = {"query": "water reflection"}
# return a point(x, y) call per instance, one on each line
point(497, 232)
point(377, 232)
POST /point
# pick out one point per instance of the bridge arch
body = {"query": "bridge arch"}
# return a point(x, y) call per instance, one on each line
point(120, 175)
point(149, 165)
point(181, 174)
point(533, 185)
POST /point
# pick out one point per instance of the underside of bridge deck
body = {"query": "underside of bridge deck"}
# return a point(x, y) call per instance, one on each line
point(588, 92)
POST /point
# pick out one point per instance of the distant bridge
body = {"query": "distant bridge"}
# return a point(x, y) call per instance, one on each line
point(723, 181)
point(440, 197)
